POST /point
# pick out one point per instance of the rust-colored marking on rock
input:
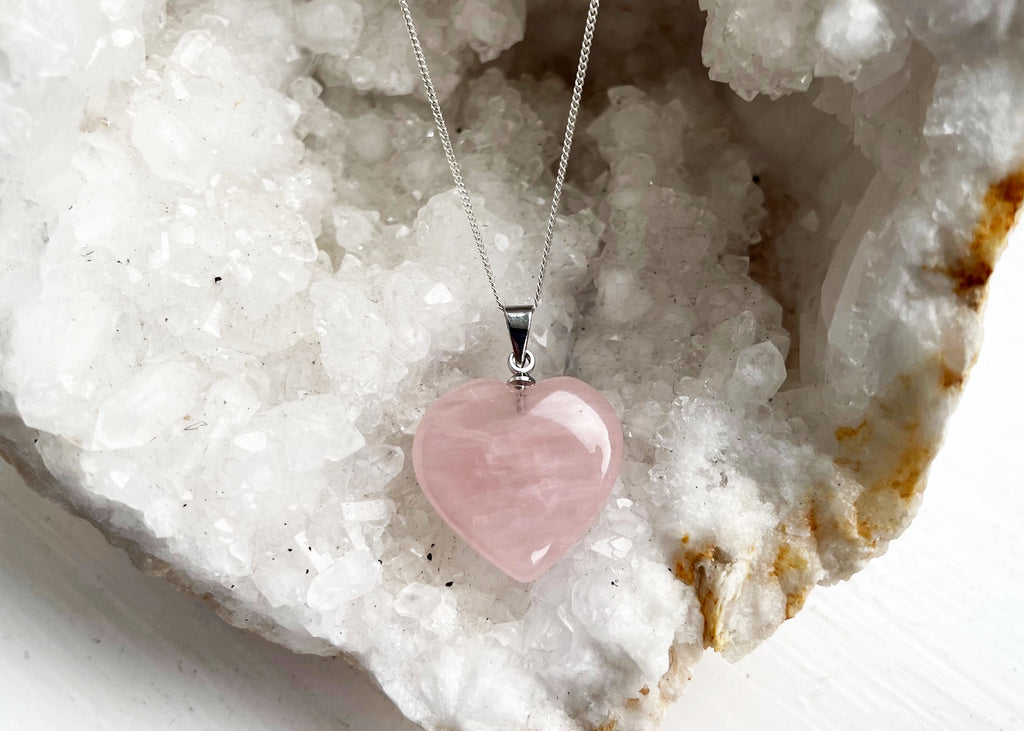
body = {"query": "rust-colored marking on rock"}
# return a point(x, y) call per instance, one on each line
point(789, 568)
point(903, 482)
point(696, 568)
point(795, 601)
point(607, 725)
point(686, 561)
point(788, 559)
point(852, 439)
point(970, 273)
point(633, 704)
point(889, 452)
point(845, 433)
point(949, 378)
point(711, 610)
point(910, 470)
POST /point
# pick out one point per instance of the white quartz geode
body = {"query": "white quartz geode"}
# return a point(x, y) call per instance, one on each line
point(233, 275)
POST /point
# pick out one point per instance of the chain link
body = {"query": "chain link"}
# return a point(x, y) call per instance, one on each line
point(453, 163)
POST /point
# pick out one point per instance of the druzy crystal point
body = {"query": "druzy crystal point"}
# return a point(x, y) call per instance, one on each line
point(520, 474)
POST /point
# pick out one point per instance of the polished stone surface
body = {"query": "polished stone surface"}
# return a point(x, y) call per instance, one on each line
point(520, 474)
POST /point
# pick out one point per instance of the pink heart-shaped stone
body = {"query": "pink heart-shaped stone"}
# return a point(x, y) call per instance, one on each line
point(520, 474)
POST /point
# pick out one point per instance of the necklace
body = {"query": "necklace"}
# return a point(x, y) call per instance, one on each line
point(518, 469)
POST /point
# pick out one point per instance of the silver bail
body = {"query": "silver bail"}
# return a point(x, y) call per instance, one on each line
point(519, 318)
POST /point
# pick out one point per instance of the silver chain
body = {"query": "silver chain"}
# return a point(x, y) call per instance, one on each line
point(449, 153)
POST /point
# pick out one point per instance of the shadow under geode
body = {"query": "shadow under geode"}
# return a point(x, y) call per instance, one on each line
point(125, 650)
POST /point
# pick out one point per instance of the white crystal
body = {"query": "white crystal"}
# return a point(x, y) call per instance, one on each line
point(348, 578)
point(760, 370)
point(490, 27)
point(329, 26)
point(365, 510)
point(851, 32)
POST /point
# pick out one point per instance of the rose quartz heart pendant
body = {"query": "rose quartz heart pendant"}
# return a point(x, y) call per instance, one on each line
point(519, 472)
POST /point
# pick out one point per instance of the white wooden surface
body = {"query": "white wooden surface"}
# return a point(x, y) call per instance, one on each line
point(930, 636)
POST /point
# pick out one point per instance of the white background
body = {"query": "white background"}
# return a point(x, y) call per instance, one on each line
point(929, 636)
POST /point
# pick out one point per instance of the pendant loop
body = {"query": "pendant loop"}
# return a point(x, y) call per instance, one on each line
point(521, 377)
point(519, 318)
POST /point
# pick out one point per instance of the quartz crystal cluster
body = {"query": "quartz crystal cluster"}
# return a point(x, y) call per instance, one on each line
point(234, 274)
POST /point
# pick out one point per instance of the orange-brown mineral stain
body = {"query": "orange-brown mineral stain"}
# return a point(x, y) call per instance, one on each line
point(696, 567)
point(813, 521)
point(852, 439)
point(893, 477)
point(970, 272)
point(795, 601)
point(789, 568)
point(949, 378)
point(901, 482)
point(633, 704)
point(688, 558)
point(889, 453)
point(910, 470)
point(848, 433)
